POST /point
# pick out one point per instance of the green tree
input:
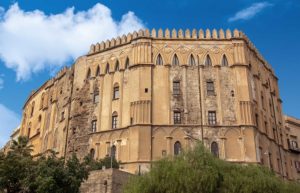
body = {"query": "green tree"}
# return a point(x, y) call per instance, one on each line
point(197, 171)
point(15, 166)
point(20, 172)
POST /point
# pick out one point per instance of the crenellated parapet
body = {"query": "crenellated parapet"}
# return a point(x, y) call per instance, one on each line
point(176, 34)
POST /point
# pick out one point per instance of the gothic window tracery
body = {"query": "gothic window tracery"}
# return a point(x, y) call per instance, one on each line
point(224, 61)
point(175, 60)
point(208, 61)
point(192, 61)
point(159, 60)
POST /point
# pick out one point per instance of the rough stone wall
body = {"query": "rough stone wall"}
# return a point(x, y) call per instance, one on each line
point(105, 181)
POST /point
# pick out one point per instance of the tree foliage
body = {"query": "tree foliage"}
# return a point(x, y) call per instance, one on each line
point(197, 171)
point(20, 172)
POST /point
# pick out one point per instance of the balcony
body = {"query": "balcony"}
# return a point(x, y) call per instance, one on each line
point(293, 146)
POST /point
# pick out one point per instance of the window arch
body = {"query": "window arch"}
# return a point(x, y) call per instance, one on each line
point(224, 60)
point(208, 61)
point(214, 149)
point(107, 68)
point(192, 61)
point(175, 60)
point(32, 109)
point(127, 63)
point(177, 148)
point(88, 74)
point(159, 60)
point(114, 120)
point(29, 130)
point(117, 66)
point(92, 153)
point(42, 101)
point(113, 151)
point(98, 71)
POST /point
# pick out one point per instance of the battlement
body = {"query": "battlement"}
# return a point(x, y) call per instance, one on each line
point(176, 34)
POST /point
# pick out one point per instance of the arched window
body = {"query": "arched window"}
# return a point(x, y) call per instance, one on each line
point(214, 149)
point(177, 148)
point(114, 120)
point(88, 74)
point(208, 61)
point(98, 71)
point(92, 153)
point(42, 101)
point(117, 66)
point(107, 69)
point(175, 60)
point(29, 130)
point(113, 151)
point(192, 61)
point(127, 63)
point(159, 60)
point(32, 109)
point(224, 61)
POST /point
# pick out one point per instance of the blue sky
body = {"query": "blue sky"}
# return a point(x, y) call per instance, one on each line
point(39, 37)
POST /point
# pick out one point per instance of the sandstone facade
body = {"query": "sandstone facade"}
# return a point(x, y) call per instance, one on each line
point(147, 95)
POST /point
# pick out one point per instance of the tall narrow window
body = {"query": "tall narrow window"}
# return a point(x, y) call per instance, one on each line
point(175, 60)
point(116, 92)
point(261, 155)
point(94, 126)
point(210, 88)
point(114, 120)
point(176, 87)
point(212, 118)
point(92, 153)
point(32, 109)
point(177, 117)
point(256, 120)
point(192, 61)
point(98, 71)
point(113, 151)
point(107, 69)
point(96, 97)
point(88, 74)
point(177, 148)
point(208, 61)
point(262, 100)
point(28, 132)
point(270, 161)
point(62, 116)
point(127, 63)
point(214, 149)
point(117, 66)
point(42, 101)
point(159, 60)
point(224, 61)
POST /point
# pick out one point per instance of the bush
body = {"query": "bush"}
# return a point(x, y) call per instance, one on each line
point(198, 171)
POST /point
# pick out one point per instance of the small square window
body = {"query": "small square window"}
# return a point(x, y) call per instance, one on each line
point(177, 117)
point(96, 97)
point(94, 126)
point(176, 88)
point(116, 93)
point(212, 118)
point(210, 88)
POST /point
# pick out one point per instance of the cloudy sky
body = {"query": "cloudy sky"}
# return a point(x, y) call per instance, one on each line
point(38, 37)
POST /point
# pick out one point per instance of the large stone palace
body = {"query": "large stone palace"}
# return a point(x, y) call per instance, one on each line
point(147, 95)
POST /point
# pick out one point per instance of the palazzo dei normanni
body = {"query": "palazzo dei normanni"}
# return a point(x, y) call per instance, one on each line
point(147, 95)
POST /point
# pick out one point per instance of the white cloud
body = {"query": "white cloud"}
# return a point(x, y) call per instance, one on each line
point(249, 12)
point(33, 41)
point(9, 120)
